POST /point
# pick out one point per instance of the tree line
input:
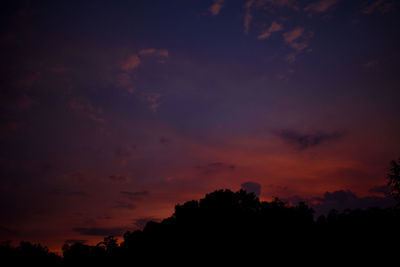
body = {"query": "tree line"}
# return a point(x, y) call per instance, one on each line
point(231, 227)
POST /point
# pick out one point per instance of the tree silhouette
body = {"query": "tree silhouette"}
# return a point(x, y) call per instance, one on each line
point(230, 227)
point(394, 179)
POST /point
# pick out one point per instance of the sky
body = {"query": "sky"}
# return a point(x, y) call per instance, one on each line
point(113, 112)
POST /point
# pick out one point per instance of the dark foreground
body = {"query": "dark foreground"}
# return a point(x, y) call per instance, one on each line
point(235, 227)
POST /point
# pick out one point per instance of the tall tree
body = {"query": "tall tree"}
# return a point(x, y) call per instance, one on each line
point(394, 179)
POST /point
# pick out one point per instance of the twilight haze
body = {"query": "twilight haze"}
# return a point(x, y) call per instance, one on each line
point(112, 112)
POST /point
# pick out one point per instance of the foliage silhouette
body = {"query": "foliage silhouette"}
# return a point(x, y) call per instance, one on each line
point(231, 227)
point(394, 179)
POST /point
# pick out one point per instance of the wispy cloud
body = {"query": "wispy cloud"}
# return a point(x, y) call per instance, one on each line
point(141, 222)
point(215, 167)
point(274, 27)
point(135, 196)
point(124, 80)
point(383, 6)
point(247, 16)
point(91, 112)
point(303, 141)
point(216, 7)
point(100, 231)
point(293, 35)
point(341, 200)
point(321, 6)
point(298, 40)
point(17, 101)
point(153, 101)
point(153, 51)
point(132, 62)
point(252, 187)
point(119, 179)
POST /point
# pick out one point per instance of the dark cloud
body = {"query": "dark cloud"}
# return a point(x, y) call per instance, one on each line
point(164, 140)
point(341, 200)
point(77, 194)
point(124, 205)
point(124, 152)
point(95, 231)
point(74, 241)
point(10, 127)
point(304, 141)
point(135, 196)
point(380, 189)
point(16, 101)
point(382, 6)
point(252, 187)
point(7, 232)
point(141, 222)
point(119, 179)
point(215, 167)
point(129, 199)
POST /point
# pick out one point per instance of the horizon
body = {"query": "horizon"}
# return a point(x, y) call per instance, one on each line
point(113, 113)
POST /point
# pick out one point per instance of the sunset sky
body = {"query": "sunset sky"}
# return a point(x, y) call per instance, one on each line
point(112, 112)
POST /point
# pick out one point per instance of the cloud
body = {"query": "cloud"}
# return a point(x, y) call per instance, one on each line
point(15, 100)
point(273, 4)
point(95, 231)
point(275, 27)
point(153, 100)
point(265, 5)
point(252, 187)
point(135, 196)
point(91, 112)
point(153, 51)
point(293, 35)
point(308, 140)
point(380, 189)
point(77, 194)
point(132, 62)
point(215, 167)
point(383, 6)
point(6, 231)
point(247, 17)
point(124, 80)
point(216, 7)
point(124, 152)
point(129, 199)
point(141, 222)
point(371, 64)
point(164, 140)
point(74, 241)
point(124, 205)
point(10, 127)
point(119, 179)
point(341, 200)
point(321, 6)
point(79, 176)
point(298, 40)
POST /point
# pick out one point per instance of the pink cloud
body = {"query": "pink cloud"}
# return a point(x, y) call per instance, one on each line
point(294, 34)
point(153, 100)
point(216, 7)
point(321, 6)
point(248, 17)
point(22, 102)
point(91, 112)
point(124, 80)
point(132, 62)
point(298, 40)
point(382, 6)
point(275, 27)
point(153, 51)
